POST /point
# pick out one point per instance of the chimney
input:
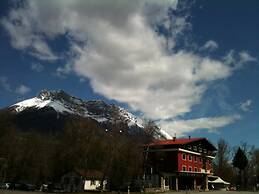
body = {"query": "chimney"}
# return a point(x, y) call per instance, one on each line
point(189, 137)
point(174, 138)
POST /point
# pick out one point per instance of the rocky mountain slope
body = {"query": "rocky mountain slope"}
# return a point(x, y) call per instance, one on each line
point(50, 109)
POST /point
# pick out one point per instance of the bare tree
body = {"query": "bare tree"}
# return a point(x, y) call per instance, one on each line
point(222, 165)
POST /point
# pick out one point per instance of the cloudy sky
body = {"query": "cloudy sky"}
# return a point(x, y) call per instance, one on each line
point(192, 66)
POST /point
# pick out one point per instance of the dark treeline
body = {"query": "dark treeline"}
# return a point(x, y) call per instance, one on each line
point(36, 157)
point(238, 165)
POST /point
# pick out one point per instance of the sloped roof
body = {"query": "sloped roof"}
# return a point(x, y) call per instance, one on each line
point(175, 141)
point(219, 181)
point(90, 173)
point(178, 141)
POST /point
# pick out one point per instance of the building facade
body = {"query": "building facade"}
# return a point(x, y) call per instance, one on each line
point(178, 164)
point(80, 181)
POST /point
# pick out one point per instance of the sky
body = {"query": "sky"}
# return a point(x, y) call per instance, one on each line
point(191, 66)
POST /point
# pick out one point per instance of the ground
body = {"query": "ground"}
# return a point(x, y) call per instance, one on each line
point(173, 192)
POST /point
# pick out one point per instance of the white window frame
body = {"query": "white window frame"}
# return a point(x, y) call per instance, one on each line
point(190, 169)
point(184, 166)
point(184, 154)
point(190, 157)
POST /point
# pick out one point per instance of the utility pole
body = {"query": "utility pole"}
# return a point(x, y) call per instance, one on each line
point(144, 166)
point(3, 164)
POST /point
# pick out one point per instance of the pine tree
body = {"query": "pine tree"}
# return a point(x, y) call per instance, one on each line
point(240, 161)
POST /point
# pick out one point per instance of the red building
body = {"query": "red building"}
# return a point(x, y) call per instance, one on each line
point(178, 164)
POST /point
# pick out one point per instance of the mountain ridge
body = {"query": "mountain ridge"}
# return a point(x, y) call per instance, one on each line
point(64, 104)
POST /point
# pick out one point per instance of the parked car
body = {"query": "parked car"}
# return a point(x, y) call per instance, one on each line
point(5, 185)
point(21, 186)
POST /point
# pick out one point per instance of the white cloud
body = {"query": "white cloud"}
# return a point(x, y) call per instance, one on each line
point(229, 58)
point(181, 127)
point(82, 80)
point(64, 70)
point(22, 89)
point(237, 61)
point(21, 27)
point(115, 45)
point(245, 106)
point(37, 67)
point(4, 83)
point(246, 57)
point(210, 45)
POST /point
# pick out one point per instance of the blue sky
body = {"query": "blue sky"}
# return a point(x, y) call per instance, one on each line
point(192, 66)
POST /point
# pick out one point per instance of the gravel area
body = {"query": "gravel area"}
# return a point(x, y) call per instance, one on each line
point(171, 192)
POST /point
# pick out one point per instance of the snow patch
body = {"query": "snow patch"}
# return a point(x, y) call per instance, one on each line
point(39, 103)
point(167, 136)
point(101, 119)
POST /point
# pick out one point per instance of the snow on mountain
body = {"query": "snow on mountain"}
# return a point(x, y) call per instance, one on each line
point(63, 103)
point(39, 103)
point(98, 110)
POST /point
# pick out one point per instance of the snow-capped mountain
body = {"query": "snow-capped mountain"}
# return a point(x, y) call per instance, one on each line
point(63, 103)
point(50, 109)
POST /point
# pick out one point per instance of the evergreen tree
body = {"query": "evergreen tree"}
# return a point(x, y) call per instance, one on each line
point(240, 161)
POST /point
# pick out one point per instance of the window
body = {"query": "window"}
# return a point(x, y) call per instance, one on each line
point(190, 168)
point(76, 181)
point(205, 151)
point(184, 168)
point(195, 169)
point(195, 148)
point(92, 182)
point(195, 158)
point(200, 160)
point(184, 156)
point(66, 180)
point(166, 181)
point(190, 157)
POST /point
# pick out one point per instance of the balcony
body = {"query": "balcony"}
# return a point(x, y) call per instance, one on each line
point(206, 171)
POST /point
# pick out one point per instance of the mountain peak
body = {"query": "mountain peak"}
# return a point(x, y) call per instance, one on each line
point(63, 103)
point(53, 94)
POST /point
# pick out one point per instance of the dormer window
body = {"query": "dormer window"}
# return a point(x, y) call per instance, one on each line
point(195, 148)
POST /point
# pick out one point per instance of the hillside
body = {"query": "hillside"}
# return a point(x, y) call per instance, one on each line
point(50, 110)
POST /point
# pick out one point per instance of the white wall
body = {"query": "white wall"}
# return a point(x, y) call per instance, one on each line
point(93, 185)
